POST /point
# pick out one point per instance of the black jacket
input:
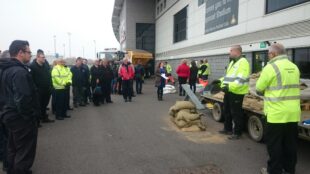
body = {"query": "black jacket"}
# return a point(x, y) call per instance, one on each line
point(139, 71)
point(96, 73)
point(18, 94)
point(193, 73)
point(41, 75)
point(107, 73)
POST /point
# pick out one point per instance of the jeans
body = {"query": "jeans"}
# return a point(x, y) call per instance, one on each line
point(139, 85)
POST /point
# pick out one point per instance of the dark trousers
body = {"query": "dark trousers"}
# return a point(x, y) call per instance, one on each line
point(119, 82)
point(182, 80)
point(127, 89)
point(192, 84)
point(67, 97)
point(106, 91)
point(3, 145)
point(233, 113)
point(281, 140)
point(78, 95)
point(96, 97)
point(44, 99)
point(160, 92)
point(61, 107)
point(87, 94)
point(139, 85)
point(21, 146)
point(53, 101)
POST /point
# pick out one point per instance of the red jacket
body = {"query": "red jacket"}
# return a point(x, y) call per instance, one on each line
point(126, 75)
point(183, 71)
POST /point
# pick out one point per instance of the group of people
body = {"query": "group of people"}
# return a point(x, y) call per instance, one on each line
point(186, 74)
point(26, 88)
point(278, 84)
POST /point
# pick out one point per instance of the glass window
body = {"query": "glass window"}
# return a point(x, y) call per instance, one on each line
point(275, 5)
point(302, 60)
point(165, 3)
point(161, 7)
point(180, 25)
point(145, 37)
point(260, 59)
point(157, 10)
point(200, 2)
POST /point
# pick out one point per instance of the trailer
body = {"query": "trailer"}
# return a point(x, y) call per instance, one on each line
point(255, 120)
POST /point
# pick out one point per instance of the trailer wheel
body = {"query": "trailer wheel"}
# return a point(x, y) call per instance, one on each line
point(256, 128)
point(217, 112)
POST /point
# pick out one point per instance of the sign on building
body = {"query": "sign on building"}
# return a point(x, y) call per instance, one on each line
point(221, 14)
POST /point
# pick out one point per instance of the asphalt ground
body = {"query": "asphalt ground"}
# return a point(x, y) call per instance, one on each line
point(138, 138)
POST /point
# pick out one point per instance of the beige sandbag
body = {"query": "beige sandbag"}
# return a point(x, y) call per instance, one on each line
point(180, 123)
point(191, 117)
point(182, 113)
point(193, 128)
point(184, 105)
point(219, 95)
point(172, 111)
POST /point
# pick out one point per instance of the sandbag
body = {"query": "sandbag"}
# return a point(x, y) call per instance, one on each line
point(180, 123)
point(193, 128)
point(184, 105)
point(172, 111)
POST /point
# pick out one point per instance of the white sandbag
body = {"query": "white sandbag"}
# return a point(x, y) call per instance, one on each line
point(169, 89)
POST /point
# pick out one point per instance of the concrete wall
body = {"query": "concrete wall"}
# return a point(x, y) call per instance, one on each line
point(218, 64)
point(137, 11)
point(289, 26)
point(252, 18)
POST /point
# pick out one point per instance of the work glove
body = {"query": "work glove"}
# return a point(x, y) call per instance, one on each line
point(68, 84)
point(225, 88)
point(215, 82)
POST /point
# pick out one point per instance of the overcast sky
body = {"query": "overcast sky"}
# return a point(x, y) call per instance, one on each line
point(39, 20)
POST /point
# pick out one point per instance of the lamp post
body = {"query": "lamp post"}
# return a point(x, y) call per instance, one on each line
point(69, 36)
point(95, 49)
point(64, 45)
point(55, 51)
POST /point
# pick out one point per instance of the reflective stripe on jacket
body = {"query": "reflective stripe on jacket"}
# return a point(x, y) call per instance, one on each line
point(237, 76)
point(279, 81)
point(59, 77)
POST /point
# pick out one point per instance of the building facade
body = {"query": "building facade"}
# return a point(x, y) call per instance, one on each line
point(133, 23)
point(198, 29)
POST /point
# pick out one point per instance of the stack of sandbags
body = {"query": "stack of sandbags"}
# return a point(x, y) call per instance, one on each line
point(253, 102)
point(219, 95)
point(186, 117)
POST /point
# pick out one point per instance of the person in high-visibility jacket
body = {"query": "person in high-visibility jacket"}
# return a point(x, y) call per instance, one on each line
point(60, 81)
point(169, 73)
point(235, 84)
point(204, 70)
point(279, 83)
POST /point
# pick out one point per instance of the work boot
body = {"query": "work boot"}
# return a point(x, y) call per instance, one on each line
point(225, 132)
point(47, 120)
point(234, 137)
point(67, 116)
point(59, 118)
